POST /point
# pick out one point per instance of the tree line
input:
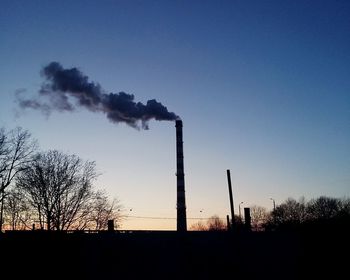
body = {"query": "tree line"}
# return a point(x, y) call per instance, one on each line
point(325, 212)
point(49, 190)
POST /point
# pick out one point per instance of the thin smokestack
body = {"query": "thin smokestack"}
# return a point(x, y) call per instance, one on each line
point(66, 89)
point(181, 202)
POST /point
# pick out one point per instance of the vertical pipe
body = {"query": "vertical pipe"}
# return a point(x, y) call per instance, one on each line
point(181, 202)
point(247, 219)
point(231, 197)
point(228, 222)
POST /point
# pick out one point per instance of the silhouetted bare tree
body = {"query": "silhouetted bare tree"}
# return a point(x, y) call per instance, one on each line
point(289, 213)
point(16, 150)
point(3, 149)
point(102, 210)
point(58, 186)
point(17, 211)
point(345, 206)
point(259, 217)
point(199, 226)
point(323, 208)
point(215, 223)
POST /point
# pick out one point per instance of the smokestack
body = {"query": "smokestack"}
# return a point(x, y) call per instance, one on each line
point(181, 203)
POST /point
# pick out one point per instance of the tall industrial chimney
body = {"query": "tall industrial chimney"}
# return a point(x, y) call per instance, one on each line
point(181, 202)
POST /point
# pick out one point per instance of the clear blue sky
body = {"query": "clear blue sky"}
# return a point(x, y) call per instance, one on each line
point(263, 89)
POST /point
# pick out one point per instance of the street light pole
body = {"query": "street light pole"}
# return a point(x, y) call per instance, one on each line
point(274, 204)
point(239, 209)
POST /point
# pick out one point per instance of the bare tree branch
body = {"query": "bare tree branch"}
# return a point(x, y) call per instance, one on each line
point(58, 185)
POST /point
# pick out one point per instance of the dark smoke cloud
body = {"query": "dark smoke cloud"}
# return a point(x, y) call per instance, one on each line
point(64, 89)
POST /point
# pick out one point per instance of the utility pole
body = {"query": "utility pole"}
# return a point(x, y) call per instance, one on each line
point(274, 204)
point(231, 197)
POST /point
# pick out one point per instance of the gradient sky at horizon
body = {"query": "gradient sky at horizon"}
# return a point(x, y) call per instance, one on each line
point(262, 87)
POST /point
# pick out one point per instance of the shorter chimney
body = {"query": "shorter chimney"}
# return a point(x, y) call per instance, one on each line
point(110, 225)
point(247, 219)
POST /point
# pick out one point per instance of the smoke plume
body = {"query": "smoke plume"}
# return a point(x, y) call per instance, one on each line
point(65, 89)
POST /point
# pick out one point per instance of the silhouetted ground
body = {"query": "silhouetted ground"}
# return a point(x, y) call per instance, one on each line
point(169, 255)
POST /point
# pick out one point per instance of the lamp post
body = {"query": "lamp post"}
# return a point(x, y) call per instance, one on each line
point(239, 209)
point(274, 204)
